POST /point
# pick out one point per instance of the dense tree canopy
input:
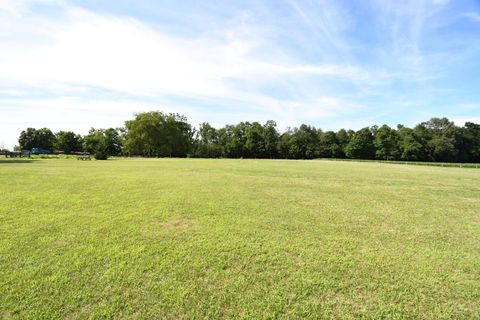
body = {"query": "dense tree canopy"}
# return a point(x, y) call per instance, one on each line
point(156, 134)
point(468, 143)
point(36, 138)
point(68, 142)
point(386, 143)
point(103, 143)
point(207, 142)
point(361, 145)
point(329, 146)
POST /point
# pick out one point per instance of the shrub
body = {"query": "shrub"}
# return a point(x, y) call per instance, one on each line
point(100, 155)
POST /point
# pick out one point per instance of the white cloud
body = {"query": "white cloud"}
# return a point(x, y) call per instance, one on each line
point(13, 7)
point(71, 54)
point(460, 121)
point(84, 48)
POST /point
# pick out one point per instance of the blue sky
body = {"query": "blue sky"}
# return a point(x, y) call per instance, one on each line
point(72, 65)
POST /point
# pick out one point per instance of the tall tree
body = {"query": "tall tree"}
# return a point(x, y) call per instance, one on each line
point(235, 137)
point(68, 141)
point(440, 136)
point(410, 145)
point(114, 139)
point(386, 143)
point(343, 137)
point(255, 142)
point(96, 143)
point(304, 143)
point(26, 140)
point(283, 144)
point(468, 143)
point(329, 145)
point(158, 134)
point(32, 138)
point(103, 143)
point(271, 137)
point(207, 144)
point(361, 145)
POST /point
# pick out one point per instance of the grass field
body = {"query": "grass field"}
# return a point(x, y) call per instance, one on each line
point(191, 238)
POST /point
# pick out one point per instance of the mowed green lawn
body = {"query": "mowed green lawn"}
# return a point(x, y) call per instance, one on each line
point(257, 239)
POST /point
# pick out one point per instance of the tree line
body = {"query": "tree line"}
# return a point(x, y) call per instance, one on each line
point(156, 134)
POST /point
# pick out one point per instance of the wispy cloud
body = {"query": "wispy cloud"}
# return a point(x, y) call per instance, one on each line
point(326, 22)
point(475, 16)
point(83, 48)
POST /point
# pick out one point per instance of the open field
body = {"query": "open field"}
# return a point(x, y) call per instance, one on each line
point(192, 238)
point(416, 163)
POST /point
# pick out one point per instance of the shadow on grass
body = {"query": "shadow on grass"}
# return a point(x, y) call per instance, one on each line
point(15, 161)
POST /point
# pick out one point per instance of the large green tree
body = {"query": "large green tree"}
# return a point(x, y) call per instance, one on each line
point(36, 138)
point(343, 138)
point(440, 134)
point(361, 145)
point(283, 144)
point(207, 142)
point(271, 138)
point(386, 143)
point(411, 146)
point(255, 140)
point(158, 134)
point(235, 138)
point(115, 141)
point(304, 143)
point(329, 145)
point(68, 141)
point(103, 143)
point(468, 143)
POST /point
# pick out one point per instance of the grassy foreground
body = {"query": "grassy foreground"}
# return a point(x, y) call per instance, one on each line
point(191, 238)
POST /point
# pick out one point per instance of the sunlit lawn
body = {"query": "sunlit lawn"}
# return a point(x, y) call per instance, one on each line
point(190, 238)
